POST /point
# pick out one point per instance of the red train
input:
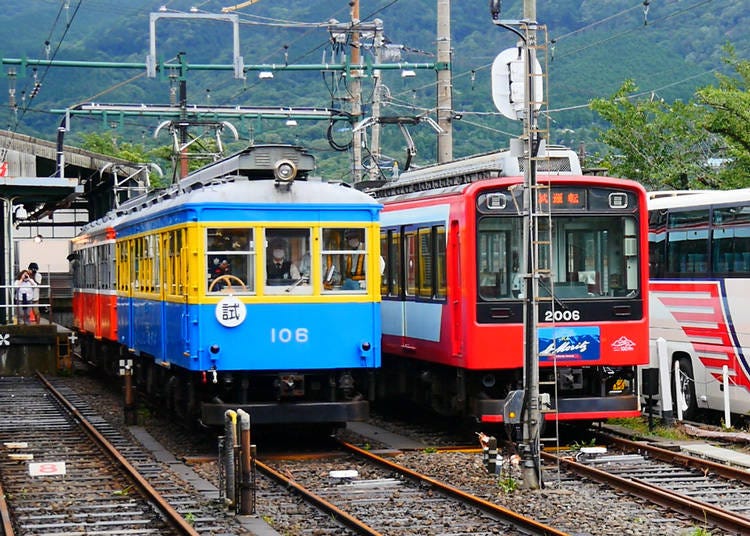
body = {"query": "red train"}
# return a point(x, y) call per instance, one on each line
point(452, 288)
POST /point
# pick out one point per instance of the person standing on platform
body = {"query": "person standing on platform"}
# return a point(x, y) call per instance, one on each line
point(24, 289)
point(36, 277)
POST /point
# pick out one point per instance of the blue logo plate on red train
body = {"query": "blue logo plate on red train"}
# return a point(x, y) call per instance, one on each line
point(569, 343)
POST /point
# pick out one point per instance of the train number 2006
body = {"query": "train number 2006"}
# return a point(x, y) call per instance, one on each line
point(562, 316)
point(285, 335)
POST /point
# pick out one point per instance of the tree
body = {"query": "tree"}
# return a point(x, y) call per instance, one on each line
point(661, 145)
point(729, 117)
point(106, 143)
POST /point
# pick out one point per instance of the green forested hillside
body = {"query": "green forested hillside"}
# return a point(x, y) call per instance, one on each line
point(594, 45)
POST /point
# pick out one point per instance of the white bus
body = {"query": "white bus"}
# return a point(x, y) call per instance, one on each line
point(699, 248)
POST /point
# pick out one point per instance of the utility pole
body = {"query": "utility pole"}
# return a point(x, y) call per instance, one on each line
point(513, 69)
point(444, 83)
point(532, 414)
point(356, 89)
point(378, 43)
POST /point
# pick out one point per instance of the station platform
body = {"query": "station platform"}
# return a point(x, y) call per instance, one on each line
point(43, 346)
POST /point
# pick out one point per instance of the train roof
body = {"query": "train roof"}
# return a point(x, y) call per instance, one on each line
point(695, 198)
point(244, 178)
point(455, 175)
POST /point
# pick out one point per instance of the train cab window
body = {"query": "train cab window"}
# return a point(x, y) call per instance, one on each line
point(288, 261)
point(230, 260)
point(498, 269)
point(344, 260)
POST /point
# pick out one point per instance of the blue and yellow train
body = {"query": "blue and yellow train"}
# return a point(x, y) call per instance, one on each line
point(249, 284)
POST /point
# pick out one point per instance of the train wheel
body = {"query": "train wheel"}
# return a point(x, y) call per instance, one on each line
point(687, 387)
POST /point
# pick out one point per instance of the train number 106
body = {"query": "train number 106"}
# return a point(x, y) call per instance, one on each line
point(285, 335)
point(562, 316)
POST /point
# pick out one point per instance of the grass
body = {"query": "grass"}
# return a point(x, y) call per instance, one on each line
point(639, 425)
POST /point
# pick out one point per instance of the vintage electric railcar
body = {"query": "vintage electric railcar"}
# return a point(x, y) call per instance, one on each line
point(181, 282)
point(452, 289)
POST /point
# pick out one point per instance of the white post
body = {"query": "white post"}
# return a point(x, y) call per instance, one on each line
point(727, 412)
point(665, 389)
point(680, 402)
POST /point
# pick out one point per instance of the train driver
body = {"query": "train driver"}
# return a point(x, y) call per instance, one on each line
point(354, 263)
point(280, 270)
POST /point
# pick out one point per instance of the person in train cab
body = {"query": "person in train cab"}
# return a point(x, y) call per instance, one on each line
point(354, 264)
point(279, 269)
point(220, 267)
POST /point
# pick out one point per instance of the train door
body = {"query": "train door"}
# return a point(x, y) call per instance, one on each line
point(392, 288)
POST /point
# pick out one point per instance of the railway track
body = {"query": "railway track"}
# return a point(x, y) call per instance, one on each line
point(65, 470)
point(371, 495)
point(706, 491)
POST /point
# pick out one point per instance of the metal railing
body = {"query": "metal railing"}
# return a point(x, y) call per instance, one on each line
point(12, 312)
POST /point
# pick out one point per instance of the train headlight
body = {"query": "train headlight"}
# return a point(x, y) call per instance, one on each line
point(285, 171)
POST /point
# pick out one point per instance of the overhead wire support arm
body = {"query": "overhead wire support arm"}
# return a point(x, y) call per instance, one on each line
point(238, 64)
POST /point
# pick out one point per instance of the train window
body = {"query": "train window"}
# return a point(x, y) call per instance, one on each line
point(385, 252)
point(123, 266)
point(498, 270)
point(105, 267)
point(288, 261)
point(440, 262)
point(344, 260)
point(230, 260)
point(175, 269)
point(426, 275)
point(411, 256)
point(597, 259)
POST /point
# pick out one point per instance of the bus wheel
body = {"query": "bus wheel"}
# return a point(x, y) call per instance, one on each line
point(687, 386)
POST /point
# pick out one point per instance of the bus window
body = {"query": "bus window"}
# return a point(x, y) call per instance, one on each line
point(730, 241)
point(687, 242)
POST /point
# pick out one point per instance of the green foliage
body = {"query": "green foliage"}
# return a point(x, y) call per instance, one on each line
point(661, 145)
point(597, 45)
point(671, 146)
point(508, 484)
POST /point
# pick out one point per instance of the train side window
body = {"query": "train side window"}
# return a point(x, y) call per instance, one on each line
point(123, 266)
point(392, 275)
point(230, 260)
point(440, 263)
point(426, 276)
point(385, 253)
point(344, 260)
point(175, 270)
point(412, 259)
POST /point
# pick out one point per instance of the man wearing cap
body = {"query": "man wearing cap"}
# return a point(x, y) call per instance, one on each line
point(280, 270)
point(37, 278)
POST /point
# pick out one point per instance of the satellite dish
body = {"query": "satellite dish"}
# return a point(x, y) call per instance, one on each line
point(508, 81)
